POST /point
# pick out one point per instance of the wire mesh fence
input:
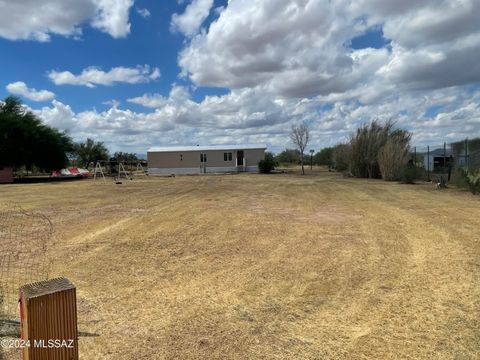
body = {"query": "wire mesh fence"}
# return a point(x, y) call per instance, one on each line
point(24, 238)
point(446, 161)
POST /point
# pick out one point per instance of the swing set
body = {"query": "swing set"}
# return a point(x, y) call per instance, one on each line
point(118, 170)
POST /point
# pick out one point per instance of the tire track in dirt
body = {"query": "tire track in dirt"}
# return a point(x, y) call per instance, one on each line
point(426, 276)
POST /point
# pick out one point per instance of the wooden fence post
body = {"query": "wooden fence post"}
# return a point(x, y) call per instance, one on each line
point(48, 315)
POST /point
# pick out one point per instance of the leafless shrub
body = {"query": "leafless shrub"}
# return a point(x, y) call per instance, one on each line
point(367, 143)
point(341, 154)
point(300, 136)
point(392, 158)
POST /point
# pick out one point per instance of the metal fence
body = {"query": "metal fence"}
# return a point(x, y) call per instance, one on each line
point(446, 160)
point(24, 237)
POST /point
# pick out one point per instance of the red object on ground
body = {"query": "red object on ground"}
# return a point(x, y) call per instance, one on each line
point(72, 172)
point(6, 175)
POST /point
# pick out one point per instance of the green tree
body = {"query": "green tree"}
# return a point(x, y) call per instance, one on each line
point(323, 157)
point(124, 157)
point(90, 151)
point(288, 156)
point(26, 141)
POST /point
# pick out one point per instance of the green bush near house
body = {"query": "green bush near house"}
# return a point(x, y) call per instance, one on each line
point(268, 164)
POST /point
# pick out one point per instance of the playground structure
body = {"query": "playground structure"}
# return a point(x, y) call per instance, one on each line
point(118, 170)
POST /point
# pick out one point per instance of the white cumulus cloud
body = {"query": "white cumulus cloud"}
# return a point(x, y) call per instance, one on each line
point(20, 88)
point(58, 115)
point(149, 100)
point(93, 76)
point(178, 94)
point(251, 116)
point(38, 20)
point(189, 22)
point(301, 48)
point(112, 17)
point(143, 12)
point(285, 61)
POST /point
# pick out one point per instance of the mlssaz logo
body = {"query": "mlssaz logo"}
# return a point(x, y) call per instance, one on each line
point(54, 344)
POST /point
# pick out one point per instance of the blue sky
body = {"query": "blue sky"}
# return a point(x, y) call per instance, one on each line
point(137, 74)
point(32, 60)
point(372, 38)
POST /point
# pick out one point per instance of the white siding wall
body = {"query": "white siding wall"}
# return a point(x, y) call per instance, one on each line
point(198, 170)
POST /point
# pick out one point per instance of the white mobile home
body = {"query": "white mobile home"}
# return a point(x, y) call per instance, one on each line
point(204, 159)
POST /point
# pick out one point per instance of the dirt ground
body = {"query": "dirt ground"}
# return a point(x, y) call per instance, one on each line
point(266, 266)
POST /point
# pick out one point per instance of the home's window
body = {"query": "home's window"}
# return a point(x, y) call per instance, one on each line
point(227, 156)
point(181, 157)
point(203, 158)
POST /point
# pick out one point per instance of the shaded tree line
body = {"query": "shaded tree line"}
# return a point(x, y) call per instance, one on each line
point(124, 157)
point(375, 150)
point(292, 156)
point(89, 152)
point(26, 141)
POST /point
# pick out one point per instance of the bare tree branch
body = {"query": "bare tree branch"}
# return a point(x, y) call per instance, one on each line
point(300, 136)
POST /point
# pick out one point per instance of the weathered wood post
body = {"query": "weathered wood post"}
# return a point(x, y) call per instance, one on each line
point(48, 315)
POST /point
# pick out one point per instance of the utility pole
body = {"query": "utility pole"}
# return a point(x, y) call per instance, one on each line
point(465, 161)
point(415, 161)
point(444, 157)
point(311, 158)
point(428, 162)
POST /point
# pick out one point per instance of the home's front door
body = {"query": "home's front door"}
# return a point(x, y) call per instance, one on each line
point(240, 157)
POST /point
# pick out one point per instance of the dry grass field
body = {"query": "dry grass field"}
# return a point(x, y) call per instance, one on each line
point(266, 266)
